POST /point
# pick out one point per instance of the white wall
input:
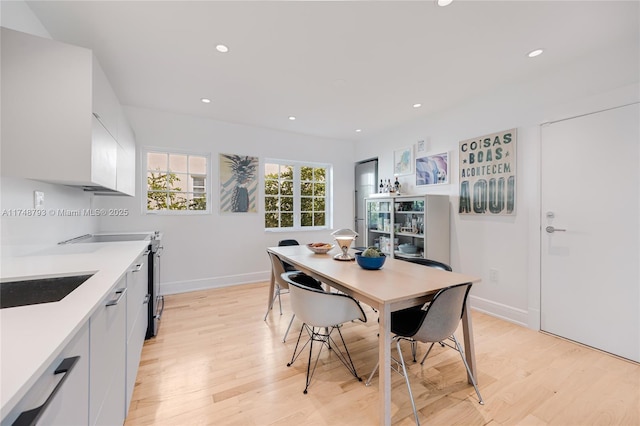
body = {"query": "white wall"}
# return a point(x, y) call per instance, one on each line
point(26, 234)
point(200, 251)
point(217, 249)
point(22, 234)
point(510, 244)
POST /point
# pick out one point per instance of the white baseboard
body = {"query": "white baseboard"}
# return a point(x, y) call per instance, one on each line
point(505, 312)
point(177, 287)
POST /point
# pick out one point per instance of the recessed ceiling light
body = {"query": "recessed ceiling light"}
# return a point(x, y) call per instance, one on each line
point(444, 3)
point(535, 53)
point(417, 105)
point(358, 130)
point(205, 100)
point(291, 117)
point(222, 48)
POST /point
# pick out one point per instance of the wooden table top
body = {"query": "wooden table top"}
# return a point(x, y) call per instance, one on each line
point(396, 282)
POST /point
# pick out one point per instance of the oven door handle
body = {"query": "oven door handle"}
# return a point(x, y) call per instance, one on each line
point(159, 314)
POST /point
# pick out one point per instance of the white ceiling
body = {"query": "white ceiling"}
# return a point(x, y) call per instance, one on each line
point(337, 66)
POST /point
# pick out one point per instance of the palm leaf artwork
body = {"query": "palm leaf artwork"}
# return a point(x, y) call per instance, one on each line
point(239, 184)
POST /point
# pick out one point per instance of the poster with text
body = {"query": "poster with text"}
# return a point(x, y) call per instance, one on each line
point(488, 174)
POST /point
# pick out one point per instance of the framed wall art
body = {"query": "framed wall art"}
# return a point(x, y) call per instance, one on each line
point(432, 169)
point(238, 183)
point(488, 174)
point(403, 161)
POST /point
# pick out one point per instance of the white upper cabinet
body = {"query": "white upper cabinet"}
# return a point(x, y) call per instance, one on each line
point(60, 117)
point(126, 162)
point(104, 103)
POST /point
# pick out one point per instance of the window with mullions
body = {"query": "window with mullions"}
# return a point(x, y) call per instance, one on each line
point(296, 195)
point(176, 182)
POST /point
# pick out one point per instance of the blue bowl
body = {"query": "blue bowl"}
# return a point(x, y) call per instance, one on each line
point(371, 263)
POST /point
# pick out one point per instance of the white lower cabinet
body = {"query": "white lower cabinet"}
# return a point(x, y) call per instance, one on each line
point(137, 303)
point(60, 396)
point(108, 358)
point(91, 381)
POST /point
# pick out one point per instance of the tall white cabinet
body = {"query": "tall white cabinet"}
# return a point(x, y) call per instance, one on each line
point(61, 120)
point(398, 224)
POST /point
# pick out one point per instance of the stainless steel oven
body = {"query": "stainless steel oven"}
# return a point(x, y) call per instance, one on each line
point(156, 300)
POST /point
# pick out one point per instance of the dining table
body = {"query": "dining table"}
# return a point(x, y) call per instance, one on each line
point(397, 285)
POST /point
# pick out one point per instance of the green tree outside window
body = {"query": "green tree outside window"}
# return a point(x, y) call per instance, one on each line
point(281, 185)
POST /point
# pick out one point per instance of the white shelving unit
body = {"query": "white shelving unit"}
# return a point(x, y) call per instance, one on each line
point(418, 220)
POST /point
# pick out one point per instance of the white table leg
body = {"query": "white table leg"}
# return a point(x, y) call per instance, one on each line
point(469, 347)
point(384, 371)
point(272, 288)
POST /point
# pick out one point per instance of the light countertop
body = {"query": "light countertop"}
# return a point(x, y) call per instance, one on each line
point(32, 336)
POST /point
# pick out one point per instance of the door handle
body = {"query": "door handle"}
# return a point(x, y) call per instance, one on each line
point(551, 229)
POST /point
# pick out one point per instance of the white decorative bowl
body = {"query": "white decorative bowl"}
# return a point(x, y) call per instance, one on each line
point(320, 249)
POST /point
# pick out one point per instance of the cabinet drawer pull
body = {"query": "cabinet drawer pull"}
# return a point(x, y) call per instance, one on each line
point(120, 292)
point(138, 267)
point(30, 417)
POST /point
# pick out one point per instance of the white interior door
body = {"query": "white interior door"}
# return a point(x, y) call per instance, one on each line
point(590, 277)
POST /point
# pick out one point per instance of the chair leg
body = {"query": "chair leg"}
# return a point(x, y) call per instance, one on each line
point(306, 387)
point(288, 328)
point(295, 350)
point(406, 378)
point(279, 302)
point(414, 349)
point(473, 381)
point(368, 382)
point(277, 294)
point(428, 350)
point(324, 339)
point(350, 366)
point(313, 336)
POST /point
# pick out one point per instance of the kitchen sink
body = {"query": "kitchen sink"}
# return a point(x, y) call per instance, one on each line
point(38, 290)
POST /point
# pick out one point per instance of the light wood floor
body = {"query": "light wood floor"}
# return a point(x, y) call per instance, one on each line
point(216, 362)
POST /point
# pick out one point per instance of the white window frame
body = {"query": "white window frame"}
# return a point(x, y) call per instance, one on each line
point(297, 213)
point(144, 186)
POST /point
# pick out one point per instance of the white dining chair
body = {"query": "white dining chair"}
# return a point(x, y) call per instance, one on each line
point(322, 313)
